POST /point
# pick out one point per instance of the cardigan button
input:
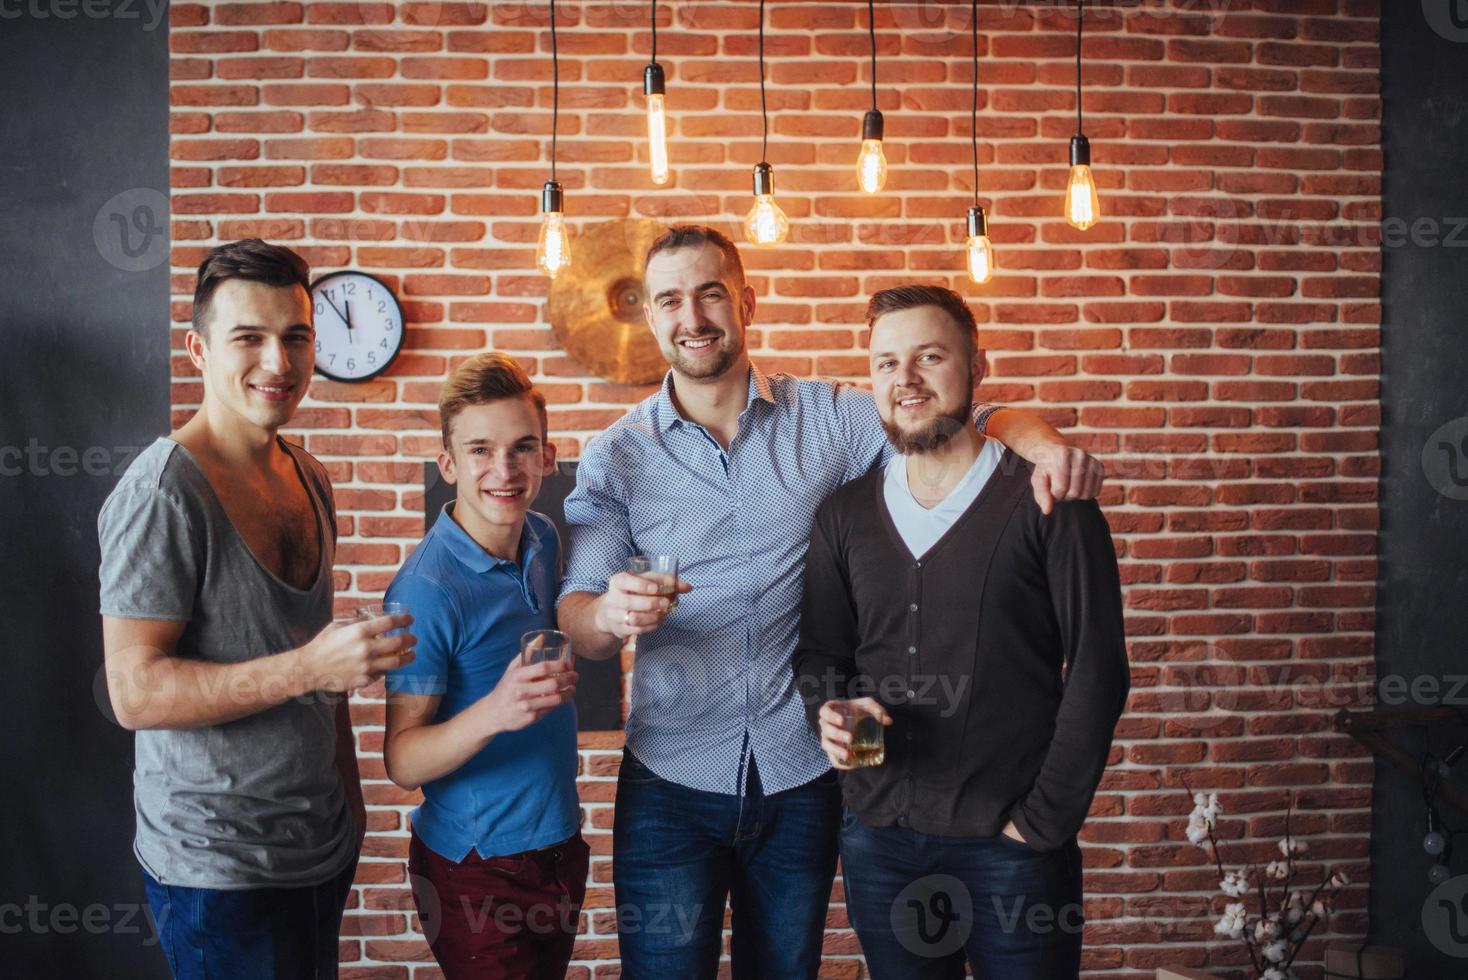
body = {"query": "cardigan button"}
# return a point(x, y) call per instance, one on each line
point(913, 607)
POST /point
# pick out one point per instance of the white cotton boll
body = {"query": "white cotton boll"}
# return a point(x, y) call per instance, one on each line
point(1265, 930)
point(1318, 907)
point(1233, 885)
point(1273, 974)
point(1274, 951)
point(1339, 880)
point(1197, 833)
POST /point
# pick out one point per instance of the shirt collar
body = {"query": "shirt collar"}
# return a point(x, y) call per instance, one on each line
point(471, 553)
point(667, 412)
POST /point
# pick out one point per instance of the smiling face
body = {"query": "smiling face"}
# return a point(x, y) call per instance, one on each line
point(497, 457)
point(924, 371)
point(257, 352)
point(698, 309)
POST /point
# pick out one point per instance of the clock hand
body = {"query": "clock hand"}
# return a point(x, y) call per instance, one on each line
point(338, 312)
point(348, 318)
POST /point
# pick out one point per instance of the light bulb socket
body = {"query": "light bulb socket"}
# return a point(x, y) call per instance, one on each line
point(871, 125)
point(764, 179)
point(1080, 151)
point(978, 222)
point(551, 197)
point(653, 80)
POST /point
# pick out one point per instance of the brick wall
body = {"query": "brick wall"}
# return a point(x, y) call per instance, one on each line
point(1214, 340)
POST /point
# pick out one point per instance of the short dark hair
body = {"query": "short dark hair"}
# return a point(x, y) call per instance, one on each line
point(694, 236)
point(487, 377)
point(910, 297)
point(252, 260)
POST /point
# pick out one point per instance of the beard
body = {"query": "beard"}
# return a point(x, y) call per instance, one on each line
point(724, 355)
point(929, 435)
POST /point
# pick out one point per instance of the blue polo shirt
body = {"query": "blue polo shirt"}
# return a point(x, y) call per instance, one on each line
point(469, 609)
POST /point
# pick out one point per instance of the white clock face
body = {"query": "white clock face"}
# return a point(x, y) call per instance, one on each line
point(359, 325)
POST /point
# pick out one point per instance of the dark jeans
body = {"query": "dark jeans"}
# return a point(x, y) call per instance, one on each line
point(251, 933)
point(678, 853)
point(920, 903)
point(510, 916)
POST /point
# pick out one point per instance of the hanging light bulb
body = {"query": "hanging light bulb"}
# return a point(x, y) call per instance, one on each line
point(657, 122)
point(553, 250)
point(1082, 209)
point(871, 163)
point(979, 250)
point(765, 224)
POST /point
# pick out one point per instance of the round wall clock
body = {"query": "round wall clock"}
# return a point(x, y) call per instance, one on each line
point(359, 325)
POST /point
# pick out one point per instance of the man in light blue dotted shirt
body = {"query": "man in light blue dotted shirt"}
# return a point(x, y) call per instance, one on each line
point(724, 794)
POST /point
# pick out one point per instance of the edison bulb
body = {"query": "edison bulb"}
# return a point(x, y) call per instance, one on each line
point(766, 224)
point(980, 254)
point(1082, 209)
point(553, 251)
point(979, 251)
point(871, 166)
point(657, 138)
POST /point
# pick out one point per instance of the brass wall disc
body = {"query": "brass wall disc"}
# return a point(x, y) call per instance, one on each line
point(596, 305)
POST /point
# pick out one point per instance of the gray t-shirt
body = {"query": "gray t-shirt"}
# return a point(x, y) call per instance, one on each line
point(257, 801)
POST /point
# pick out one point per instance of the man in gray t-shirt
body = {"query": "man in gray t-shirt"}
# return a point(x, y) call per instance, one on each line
point(216, 596)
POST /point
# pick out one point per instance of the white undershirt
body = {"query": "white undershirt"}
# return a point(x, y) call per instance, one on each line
point(920, 526)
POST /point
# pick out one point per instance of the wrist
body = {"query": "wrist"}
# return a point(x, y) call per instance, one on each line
point(300, 678)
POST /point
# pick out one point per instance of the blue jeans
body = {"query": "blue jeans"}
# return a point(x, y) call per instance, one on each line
point(251, 933)
point(921, 903)
point(678, 853)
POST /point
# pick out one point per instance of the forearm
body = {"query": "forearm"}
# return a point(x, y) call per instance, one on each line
point(576, 616)
point(1024, 432)
point(153, 690)
point(423, 753)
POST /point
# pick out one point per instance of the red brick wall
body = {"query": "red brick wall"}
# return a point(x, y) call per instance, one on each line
point(1214, 340)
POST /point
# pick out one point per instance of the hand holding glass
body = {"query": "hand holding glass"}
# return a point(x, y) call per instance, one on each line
point(662, 571)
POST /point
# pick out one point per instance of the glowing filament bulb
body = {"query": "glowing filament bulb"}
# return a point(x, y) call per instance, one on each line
point(979, 251)
point(765, 224)
point(871, 163)
point(657, 122)
point(871, 166)
point(553, 250)
point(1082, 208)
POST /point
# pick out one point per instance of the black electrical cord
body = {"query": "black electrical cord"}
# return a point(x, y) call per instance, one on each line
point(555, 88)
point(974, 113)
point(1080, 16)
point(653, 6)
point(872, 34)
point(763, 112)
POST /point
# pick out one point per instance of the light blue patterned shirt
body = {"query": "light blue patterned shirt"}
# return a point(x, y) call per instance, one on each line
point(714, 684)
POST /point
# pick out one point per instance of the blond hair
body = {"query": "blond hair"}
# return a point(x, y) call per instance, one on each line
point(484, 378)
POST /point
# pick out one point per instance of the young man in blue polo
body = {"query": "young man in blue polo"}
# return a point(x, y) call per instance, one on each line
point(498, 862)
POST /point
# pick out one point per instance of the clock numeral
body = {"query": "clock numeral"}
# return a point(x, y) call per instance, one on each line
point(349, 288)
point(372, 357)
point(383, 343)
point(318, 345)
point(382, 306)
point(331, 358)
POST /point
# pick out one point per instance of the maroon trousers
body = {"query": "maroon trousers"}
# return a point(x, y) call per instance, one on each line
point(516, 915)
